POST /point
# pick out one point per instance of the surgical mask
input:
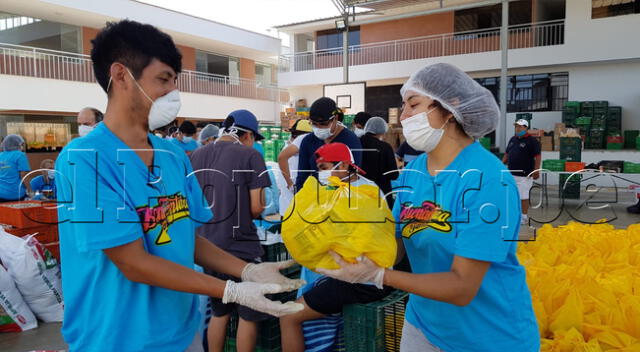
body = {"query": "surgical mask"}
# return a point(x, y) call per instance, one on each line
point(159, 135)
point(419, 133)
point(51, 174)
point(322, 133)
point(359, 132)
point(187, 139)
point(323, 175)
point(521, 133)
point(164, 109)
point(84, 130)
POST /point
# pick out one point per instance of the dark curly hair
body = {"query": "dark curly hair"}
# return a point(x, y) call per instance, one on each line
point(134, 45)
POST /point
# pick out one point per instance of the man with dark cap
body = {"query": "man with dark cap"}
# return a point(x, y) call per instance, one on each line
point(323, 115)
point(359, 121)
point(184, 138)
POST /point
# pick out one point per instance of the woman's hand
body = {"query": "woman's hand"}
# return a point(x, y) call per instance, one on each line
point(364, 271)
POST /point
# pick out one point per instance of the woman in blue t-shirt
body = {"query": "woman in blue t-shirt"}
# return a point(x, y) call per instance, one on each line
point(458, 219)
point(13, 167)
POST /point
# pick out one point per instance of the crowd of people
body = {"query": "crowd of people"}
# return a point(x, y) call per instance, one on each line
point(170, 198)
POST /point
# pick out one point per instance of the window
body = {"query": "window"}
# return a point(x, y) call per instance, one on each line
point(217, 64)
point(263, 74)
point(333, 38)
point(528, 93)
point(491, 16)
point(606, 8)
point(28, 31)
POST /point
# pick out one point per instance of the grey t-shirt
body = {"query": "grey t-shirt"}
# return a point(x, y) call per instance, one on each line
point(226, 172)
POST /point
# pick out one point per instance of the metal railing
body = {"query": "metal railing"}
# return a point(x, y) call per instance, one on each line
point(447, 44)
point(42, 63)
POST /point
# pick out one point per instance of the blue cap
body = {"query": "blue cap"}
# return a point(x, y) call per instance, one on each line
point(246, 119)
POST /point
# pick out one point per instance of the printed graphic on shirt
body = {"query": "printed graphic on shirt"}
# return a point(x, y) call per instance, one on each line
point(418, 218)
point(168, 210)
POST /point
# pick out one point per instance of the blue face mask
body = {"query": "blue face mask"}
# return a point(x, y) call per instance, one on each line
point(187, 139)
point(521, 133)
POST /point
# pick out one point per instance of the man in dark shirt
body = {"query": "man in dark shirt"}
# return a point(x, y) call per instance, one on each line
point(359, 121)
point(405, 153)
point(378, 159)
point(232, 175)
point(326, 129)
point(523, 159)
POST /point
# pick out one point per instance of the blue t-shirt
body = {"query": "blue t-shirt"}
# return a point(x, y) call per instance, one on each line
point(311, 143)
point(115, 200)
point(187, 147)
point(11, 164)
point(38, 185)
point(470, 210)
point(259, 148)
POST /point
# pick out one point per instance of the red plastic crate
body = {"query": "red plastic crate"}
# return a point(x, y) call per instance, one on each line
point(26, 214)
point(615, 139)
point(44, 234)
point(574, 166)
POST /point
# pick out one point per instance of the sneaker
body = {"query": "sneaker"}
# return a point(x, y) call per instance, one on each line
point(524, 219)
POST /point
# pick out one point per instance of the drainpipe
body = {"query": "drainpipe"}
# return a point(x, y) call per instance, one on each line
point(501, 134)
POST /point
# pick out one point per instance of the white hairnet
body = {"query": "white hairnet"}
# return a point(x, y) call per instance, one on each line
point(11, 142)
point(376, 125)
point(209, 131)
point(472, 105)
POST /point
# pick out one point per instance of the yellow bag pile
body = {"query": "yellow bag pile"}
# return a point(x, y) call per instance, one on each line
point(585, 286)
point(349, 220)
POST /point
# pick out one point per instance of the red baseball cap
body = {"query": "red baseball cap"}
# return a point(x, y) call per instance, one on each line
point(336, 153)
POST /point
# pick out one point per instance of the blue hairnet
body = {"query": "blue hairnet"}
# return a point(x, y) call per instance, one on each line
point(209, 131)
point(376, 125)
point(472, 105)
point(11, 142)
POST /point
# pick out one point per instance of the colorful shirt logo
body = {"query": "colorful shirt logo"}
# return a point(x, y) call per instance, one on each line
point(168, 210)
point(418, 218)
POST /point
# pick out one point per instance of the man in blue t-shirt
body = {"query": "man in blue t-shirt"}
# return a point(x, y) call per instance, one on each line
point(129, 205)
point(324, 116)
point(14, 166)
point(184, 139)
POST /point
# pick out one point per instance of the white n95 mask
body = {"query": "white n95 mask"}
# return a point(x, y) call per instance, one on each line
point(164, 109)
point(419, 133)
point(84, 130)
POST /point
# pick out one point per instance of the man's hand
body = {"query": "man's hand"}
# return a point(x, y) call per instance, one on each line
point(535, 175)
point(269, 273)
point(360, 273)
point(251, 294)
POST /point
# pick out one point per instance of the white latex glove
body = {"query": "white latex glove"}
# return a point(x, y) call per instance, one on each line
point(251, 294)
point(365, 271)
point(269, 273)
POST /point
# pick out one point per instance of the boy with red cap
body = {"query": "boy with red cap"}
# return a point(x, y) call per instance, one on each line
point(323, 296)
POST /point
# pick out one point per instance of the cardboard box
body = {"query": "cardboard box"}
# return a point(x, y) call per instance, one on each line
point(546, 143)
point(394, 113)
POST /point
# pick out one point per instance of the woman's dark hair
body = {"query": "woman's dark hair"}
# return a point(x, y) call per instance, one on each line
point(187, 128)
point(228, 122)
point(134, 45)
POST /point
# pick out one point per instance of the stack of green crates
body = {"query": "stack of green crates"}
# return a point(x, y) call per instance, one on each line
point(596, 138)
point(376, 326)
point(630, 139)
point(570, 113)
point(348, 120)
point(587, 108)
point(275, 139)
point(569, 186)
point(553, 164)
point(571, 148)
point(638, 143)
point(631, 168)
point(614, 120)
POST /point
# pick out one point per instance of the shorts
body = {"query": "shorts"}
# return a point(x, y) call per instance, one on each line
point(219, 309)
point(524, 186)
point(414, 340)
point(328, 295)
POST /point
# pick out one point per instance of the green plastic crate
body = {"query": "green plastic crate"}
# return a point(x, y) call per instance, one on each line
point(573, 106)
point(569, 118)
point(571, 148)
point(485, 142)
point(347, 120)
point(631, 168)
point(583, 120)
point(614, 146)
point(376, 326)
point(638, 143)
point(264, 131)
point(630, 138)
point(570, 189)
point(553, 164)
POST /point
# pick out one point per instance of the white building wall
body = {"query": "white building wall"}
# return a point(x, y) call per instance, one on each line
point(28, 93)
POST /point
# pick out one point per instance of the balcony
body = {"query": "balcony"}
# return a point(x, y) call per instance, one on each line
point(448, 44)
point(49, 64)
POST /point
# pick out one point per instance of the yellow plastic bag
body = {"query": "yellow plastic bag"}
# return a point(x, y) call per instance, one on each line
point(349, 220)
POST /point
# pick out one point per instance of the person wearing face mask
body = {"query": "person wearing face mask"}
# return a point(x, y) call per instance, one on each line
point(458, 222)
point(323, 296)
point(288, 163)
point(378, 159)
point(523, 158)
point(131, 206)
point(233, 178)
point(14, 166)
point(44, 184)
point(87, 120)
point(184, 139)
point(359, 121)
point(325, 117)
point(208, 134)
